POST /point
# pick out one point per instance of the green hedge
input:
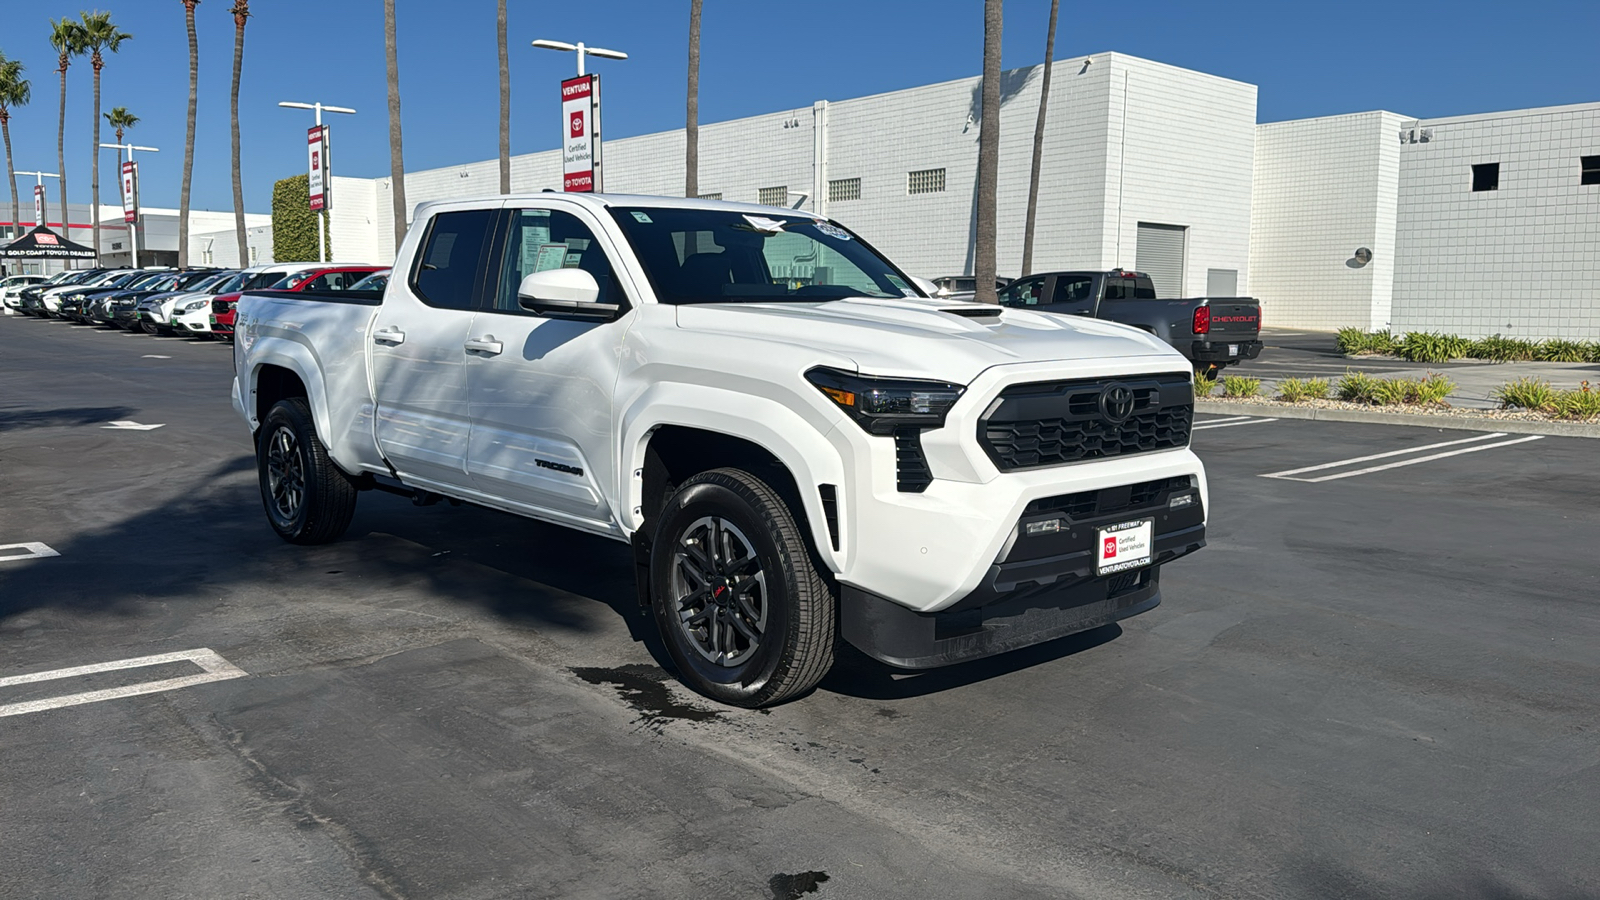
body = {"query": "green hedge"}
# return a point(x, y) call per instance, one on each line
point(1427, 347)
point(294, 225)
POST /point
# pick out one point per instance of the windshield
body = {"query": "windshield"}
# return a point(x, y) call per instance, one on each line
point(230, 283)
point(262, 280)
point(206, 284)
point(377, 281)
point(722, 256)
point(144, 280)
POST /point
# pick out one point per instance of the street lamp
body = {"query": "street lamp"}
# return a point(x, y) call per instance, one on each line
point(581, 50)
point(322, 237)
point(133, 227)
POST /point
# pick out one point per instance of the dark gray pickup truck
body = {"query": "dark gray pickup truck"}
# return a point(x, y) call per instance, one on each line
point(1212, 332)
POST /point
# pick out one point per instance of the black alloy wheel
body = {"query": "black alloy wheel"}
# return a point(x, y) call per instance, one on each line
point(746, 613)
point(308, 499)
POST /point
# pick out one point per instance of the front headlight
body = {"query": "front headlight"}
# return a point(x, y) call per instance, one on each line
point(880, 405)
point(196, 305)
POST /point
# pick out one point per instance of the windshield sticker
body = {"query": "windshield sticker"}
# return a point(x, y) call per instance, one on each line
point(832, 230)
point(641, 218)
point(910, 293)
point(762, 224)
point(551, 256)
point(573, 261)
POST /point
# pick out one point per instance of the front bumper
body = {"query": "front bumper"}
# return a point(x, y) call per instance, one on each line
point(1222, 350)
point(1041, 586)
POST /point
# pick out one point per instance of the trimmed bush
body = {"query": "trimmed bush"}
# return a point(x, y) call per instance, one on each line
point(294, 225)
point(1295, 390)
point(1583, 403)
point(1204, 386)
point(1355, 342)
point(1240, 386)
point(1432, 390)
point(1503, 349)
point(1359, 387)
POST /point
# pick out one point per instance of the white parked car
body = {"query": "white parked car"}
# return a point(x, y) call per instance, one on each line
point(11, 287)
point(797, 442)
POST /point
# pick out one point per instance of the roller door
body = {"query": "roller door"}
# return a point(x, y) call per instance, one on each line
point(1160, 255)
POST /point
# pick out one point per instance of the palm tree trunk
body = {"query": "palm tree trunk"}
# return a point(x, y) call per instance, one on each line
point(505, 100)
point(397, 167)
point(983, 265)
point(188, 137)
point(233, 124)
point(1038, 144)
point(94, 169)
point(691, 127)
point(11, 178)
point(61, 155)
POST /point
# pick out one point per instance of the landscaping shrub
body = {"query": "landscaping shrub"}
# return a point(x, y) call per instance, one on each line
point(1357, 387)
point(1503, 349)
point(1240, 386)
point(1394, 391)
point(1294, 390)
point(1527, 393)
point(1429, 347)
point(1355, 342)
point(1432, 390)
point(1583, 403)
point(1204, 386)
point(1563, 351)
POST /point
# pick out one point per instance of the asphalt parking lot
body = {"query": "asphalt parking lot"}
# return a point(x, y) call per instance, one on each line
point(1380, 679)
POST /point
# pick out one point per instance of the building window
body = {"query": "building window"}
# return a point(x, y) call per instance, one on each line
point(1591, 170)
point(927, 181)
point(1486, 177)
point(773, 196)
point(841, 189)
point(714, 196)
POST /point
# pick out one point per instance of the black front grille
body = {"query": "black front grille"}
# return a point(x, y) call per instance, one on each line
point(1056, 422)
point(912, 475)
point(221, 306)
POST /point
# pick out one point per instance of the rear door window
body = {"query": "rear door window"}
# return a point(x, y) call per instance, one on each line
point(1023, 293)
point(452, 259)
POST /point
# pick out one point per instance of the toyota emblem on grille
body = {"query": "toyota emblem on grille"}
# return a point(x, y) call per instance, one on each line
point(1116, 403)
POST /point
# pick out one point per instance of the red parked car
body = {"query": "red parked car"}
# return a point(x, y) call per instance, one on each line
point(311, 278)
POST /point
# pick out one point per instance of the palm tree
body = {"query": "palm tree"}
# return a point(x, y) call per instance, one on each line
point(120, 119)
point(15, 91)
point(241, 12)
point(983, 266)
point(188, 136)
point(691, 127)
point(1038, 143)
point(99, 35)
point(67, 37)
point(505, 101)
point(397, 166)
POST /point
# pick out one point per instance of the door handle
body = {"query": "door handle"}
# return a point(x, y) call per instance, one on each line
point(486, 345)
point(389, 335)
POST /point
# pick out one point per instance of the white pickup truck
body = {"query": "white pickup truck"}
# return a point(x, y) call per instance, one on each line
point(799, 444)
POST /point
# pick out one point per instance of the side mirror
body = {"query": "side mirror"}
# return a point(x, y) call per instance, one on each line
point(925, 286)
point(565, 294)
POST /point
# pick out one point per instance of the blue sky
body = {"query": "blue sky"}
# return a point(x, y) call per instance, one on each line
point(1416, 58)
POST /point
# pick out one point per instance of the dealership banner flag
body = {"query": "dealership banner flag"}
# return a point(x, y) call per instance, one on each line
point(130, 192)
point(319, 180)
point(580, 134)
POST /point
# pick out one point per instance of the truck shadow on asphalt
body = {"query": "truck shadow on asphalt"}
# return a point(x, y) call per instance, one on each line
point(207, 545)
point(11, 419)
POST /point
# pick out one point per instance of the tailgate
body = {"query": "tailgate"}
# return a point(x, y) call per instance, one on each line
point(1235, 318)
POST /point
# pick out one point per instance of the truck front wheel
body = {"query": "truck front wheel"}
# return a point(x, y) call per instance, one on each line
point(309, 500)
point(744, 611)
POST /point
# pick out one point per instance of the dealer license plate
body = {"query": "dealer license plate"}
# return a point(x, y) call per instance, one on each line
point(1233, 349)
point(1124, 546)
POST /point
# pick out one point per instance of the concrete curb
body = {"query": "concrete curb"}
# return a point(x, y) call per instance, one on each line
point(1458, 423)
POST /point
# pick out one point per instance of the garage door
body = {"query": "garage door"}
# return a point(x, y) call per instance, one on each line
point(1160, 255)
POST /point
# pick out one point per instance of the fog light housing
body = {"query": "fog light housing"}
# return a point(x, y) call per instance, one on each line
point(1181, 501)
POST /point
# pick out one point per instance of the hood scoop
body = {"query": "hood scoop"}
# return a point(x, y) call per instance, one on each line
point(974, 312)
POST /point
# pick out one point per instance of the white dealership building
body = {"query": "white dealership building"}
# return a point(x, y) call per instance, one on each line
point(1474, 225)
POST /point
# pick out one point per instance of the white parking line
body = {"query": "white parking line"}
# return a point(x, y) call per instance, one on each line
point(32, 550)
point(130, 426)
point(216, 669)
point(1290, 474)
point(1224, 419)
point(1230, 423)
point(154, 356)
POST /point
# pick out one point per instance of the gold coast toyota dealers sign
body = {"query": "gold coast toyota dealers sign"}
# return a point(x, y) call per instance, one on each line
point(580, 133)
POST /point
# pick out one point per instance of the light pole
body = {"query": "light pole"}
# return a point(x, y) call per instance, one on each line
point(133, 227)
point(322, 236)
point(581, 50)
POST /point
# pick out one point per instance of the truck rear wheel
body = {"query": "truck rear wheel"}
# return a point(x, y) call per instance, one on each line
point(309, 500)
point(742, 608)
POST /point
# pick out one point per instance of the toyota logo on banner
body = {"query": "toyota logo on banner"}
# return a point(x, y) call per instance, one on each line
point(1116, 403)
point(575, 126)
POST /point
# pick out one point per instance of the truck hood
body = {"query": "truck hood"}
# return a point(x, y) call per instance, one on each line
point(917, 338)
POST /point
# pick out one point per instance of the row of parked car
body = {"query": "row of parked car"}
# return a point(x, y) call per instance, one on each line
point(198, 302)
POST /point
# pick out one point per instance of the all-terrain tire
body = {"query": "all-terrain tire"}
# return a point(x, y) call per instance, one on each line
point(798, 624)
point(308, 499)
